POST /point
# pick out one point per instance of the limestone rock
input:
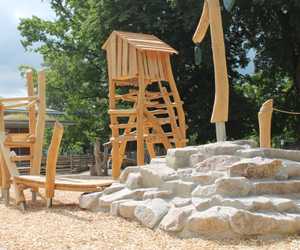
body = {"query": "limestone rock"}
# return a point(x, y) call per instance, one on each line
point(247, 223)
point(156, 175)
point(127, 171)
point(106, 200)
point(185, 174)
point(216, 163)
point(175, 219)
point(181, 202)
point(256, 168)
point(150, 213)
point(211, 222)
point(164, 194)
point(89, 200)
point(246, 143)
point(197, 158)
point(134, 181)
point(158, 160)
point(207, 178)
point(277, 187)
point(204, 191)
point(179, 187)
point(180, 157)
point(221, 148)
point(234, 186)
point(114, 207)
point(290, 168)
point(202, 204)
point(115, 187)
point(251, 153)
point(127, 208)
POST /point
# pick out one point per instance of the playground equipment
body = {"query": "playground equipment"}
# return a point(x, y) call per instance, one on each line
point(265, 122)
point(35, 104)
point(144, 104)
point(36, 107)
point(211, 17)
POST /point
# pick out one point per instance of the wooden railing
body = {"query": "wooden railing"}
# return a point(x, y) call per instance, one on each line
point(71, 164)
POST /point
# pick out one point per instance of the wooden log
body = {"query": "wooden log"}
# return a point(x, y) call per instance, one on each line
point(40, 126)
point(53, 153)
point(265, 124)
point(140, 110)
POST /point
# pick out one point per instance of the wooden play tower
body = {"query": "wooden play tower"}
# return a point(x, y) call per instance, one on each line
point(35, 106)
point(144, 104)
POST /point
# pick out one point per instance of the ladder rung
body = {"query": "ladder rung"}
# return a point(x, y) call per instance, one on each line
point(122, 112)
point(21, 158)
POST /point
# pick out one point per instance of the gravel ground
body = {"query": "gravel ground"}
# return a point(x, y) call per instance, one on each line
point(65, 226)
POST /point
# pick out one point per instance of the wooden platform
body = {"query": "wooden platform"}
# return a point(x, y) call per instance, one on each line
point(77, 183)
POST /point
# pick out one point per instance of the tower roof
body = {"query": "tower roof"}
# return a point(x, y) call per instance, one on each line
point(142, 42)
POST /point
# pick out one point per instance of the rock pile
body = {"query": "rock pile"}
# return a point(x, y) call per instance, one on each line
point(218, 190)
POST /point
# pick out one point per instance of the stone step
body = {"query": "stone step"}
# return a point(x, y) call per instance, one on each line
point(252, 203)
point(226, 222)
point(262, 187)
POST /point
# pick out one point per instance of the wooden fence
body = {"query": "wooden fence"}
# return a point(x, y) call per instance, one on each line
point(70, 164)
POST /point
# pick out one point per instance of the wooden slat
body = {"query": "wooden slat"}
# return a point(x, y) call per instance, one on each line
point(119, 56)
point(125, 59)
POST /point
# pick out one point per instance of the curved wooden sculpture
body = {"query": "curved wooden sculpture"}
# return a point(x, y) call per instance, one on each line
point(140, 77)
point(265, 124)
point(211, 17)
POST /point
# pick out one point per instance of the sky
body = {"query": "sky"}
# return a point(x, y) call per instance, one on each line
point(12, 54)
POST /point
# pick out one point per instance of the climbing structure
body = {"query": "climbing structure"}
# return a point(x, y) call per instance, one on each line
point(144, 104)
point(35, 105)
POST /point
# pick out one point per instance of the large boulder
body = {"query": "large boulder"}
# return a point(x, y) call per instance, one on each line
point(179, 188)
point(247, 223)
point(235, 186)
point(175, 219)
point(180, 157)
point(134, 181)
point(156, 175)
point(221, 148)
point(90, 201)
point(151, 212)
point(207, 178)
point(213, 222)
point(127, 208)
point(256, 168)
point(106, 200)
point(216, 163)
point(127, 171)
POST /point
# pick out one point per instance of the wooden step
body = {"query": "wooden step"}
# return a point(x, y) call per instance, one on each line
point(21, 158)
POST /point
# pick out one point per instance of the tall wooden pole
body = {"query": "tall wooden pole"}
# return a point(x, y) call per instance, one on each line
point(211, 16)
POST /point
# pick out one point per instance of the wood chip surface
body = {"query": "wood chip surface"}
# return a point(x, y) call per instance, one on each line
point(66, 226)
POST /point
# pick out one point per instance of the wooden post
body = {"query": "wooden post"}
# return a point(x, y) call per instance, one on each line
point(140, 112)
point(51, 162)
point(265, 124)
point(211, 15)
point(40, 126)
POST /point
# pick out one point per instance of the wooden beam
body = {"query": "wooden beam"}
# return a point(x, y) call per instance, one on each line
point(265, 124)
point(40, 125)
point(52, 157)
